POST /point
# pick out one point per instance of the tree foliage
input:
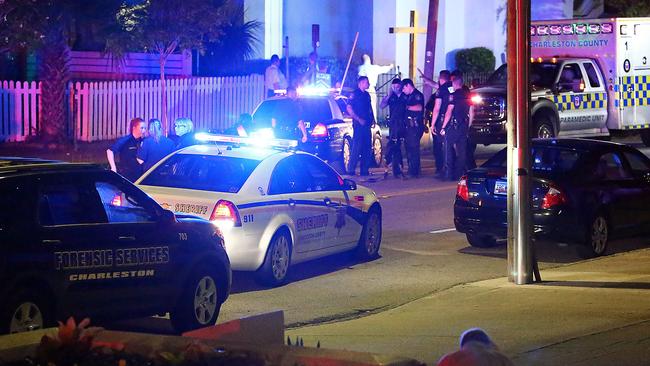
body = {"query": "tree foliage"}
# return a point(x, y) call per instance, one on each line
point(475, 60)
point(628, 8)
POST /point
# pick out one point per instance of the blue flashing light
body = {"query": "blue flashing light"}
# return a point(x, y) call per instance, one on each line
point(259, 139)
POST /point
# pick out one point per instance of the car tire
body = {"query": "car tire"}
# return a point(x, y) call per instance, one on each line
point(543, 129)
point(645, 137)
point(199, 304)
point(481, 241)
point(346, 153)
point(275, 269)
point(370, 239)
point(25, 311)
point(596, 237)
point(377, 150)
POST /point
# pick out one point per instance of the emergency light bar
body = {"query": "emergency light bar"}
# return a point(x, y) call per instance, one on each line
point(258, 141)
point(310, 91)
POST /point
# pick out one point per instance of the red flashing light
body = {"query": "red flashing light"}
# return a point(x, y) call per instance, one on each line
point(225, 211)
point(320, 130)
point(553, 197)
point(462, 191)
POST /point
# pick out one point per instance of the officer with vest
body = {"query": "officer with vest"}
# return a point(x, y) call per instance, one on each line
point(455, 127)
point(397, 108)
point(414, 120)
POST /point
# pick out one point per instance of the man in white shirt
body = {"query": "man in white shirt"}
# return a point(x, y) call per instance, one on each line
point(273, 77)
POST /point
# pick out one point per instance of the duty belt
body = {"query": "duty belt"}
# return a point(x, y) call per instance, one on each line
point(412, 122)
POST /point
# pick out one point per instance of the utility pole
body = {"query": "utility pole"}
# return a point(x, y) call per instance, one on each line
point(430, 48)
point(520, 258)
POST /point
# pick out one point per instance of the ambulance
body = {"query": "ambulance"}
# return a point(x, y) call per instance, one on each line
point(589, 78)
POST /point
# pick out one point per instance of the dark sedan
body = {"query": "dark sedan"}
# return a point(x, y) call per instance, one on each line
point(583, 192)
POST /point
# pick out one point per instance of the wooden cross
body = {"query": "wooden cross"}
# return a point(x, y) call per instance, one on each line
point(412, 30)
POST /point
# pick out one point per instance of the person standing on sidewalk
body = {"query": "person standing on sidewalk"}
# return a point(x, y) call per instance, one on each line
point(455, 127)
point(273, 77)
point(126, 149)
point(155, 146)
point(441, 101)
point(360, 109)
point(184, 130)
point(414, 119)
point(397, 110)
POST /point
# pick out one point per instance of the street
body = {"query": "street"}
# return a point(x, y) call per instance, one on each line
point(421, 254)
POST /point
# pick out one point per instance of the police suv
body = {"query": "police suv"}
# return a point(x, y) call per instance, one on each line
point(275, 206)
point(79, 240)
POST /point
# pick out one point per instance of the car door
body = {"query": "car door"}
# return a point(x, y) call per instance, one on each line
point(570, 101)
point(342, 227)
point(72, 232)
point(619, 191)
point(639, 166)
point(595, 98)
point(145, 247)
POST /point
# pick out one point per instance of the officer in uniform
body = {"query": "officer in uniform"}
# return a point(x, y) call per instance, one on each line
point(360, 109)
point(397, 110)
point(414, 120)
point(458, 118)
point(440, 101)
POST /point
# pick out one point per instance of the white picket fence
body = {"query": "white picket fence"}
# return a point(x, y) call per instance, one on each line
point(102, 110)
point(19, 110)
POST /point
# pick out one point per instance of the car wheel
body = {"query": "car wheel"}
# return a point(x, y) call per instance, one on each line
point(377, 150)
point(199, 304)
point(370, 239)
point(278, 259)
point(597, 237)
point(346, 153)
point(543, 129)
point(25, 312)
point(645, 137)
point(481, 241)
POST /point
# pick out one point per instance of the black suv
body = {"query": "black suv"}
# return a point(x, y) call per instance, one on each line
point(79, 240)
point(328, 125)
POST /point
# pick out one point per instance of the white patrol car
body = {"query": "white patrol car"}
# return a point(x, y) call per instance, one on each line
point(274, 206)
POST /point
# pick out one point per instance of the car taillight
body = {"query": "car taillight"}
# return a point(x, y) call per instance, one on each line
point(476, 99)
point(320, 130)
point(225, 214)
point(553, 197)
point(462, 191)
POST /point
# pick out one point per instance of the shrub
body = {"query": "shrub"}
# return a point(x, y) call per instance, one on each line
point(475, 60)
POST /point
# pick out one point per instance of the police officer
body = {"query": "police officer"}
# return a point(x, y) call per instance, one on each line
point(360, 109)
point(414, 120)
point(440, 102)
point(397, 110)
point(458, 118)
point(126, 148)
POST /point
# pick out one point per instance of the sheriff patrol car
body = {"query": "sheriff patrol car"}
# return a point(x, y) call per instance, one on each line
point(275, 206)
point(79, 240)
point(588, 78)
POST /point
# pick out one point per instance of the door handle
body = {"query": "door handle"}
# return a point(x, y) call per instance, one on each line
point(126, 238)
point(328, 201)
point(292, 203)
point(51, 241)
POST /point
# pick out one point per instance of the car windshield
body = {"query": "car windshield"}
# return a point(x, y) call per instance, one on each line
point(202, 172)
point(554, 159)
point(542, 75)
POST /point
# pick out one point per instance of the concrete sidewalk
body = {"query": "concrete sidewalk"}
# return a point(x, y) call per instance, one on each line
point(595, 312)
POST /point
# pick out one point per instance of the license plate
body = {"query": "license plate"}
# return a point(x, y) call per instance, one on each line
point(501, 187)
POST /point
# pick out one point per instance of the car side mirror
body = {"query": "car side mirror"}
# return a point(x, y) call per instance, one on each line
point(349, 185)
point(556, 88)
point(167, 217)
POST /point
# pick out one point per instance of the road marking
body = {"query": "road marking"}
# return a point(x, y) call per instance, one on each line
point(441, 231)
point(416, 191)
point(416, 252)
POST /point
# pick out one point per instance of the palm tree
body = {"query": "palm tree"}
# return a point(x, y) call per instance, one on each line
point(51, 27)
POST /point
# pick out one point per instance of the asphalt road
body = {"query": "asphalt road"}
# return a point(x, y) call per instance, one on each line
point(420, 254)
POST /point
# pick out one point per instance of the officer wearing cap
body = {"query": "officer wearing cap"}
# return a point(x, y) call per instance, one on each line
point(397, 110)
point(455, 126)
point(414, 116)
point(360, 109)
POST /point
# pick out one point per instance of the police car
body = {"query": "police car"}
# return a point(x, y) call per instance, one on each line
point(275, 206)
point(79, 240)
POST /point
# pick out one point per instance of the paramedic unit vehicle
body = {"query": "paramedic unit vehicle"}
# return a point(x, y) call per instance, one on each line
point(275, 206)
point(588, 78)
